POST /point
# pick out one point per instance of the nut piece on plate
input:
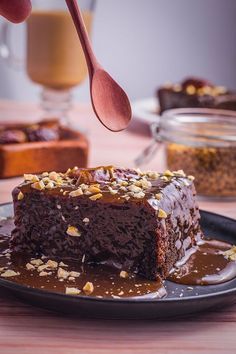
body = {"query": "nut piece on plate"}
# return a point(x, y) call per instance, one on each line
point(88, 288)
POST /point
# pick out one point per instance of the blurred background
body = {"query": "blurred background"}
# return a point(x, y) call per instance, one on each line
point(146, 43)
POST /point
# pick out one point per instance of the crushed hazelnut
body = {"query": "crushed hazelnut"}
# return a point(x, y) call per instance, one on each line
point(76, 193)
point(38, 185)
point(230, 254)
point(88, 288)
point(42, 267)
point(139, 195)
point(30, 266)
point(30, 177)
point(49, 185)
point(72, 291)
point(62, 273)
point(43, 274)
point(9, 273)
point(20, 196)
point(96, 196)
point(94, 189)
point(191, 90)
point(158, 196)
point(168, 173)
point(124, 274)
point(74, 274)
point(179, 173)
point(164, 178)
point(162, 214)
point(191, 178)
point(152, 174)
point(121, 293)
point(134, 189)
point(52, 264)
point(73, 231)
point(36, 262)
point(62, 264)
point(112, 191)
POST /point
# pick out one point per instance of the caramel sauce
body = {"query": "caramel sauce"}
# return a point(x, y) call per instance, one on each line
point(205, 266)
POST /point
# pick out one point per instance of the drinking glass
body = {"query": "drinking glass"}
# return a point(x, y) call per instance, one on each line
point(54, 56)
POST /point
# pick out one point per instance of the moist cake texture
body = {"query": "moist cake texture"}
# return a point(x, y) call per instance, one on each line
point(140, 222)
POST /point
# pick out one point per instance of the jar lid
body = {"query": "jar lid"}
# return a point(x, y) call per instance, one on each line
point(198, 127)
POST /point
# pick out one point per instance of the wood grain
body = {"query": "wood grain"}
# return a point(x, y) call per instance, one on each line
point(28, 330)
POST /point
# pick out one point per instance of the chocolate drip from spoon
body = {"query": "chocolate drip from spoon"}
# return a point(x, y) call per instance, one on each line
point(110, 103)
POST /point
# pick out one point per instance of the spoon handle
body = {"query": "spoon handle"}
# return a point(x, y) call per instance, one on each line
point(77, 17)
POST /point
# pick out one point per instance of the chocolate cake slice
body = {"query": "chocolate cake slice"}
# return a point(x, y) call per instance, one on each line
point(195, 93)
point(140, 222)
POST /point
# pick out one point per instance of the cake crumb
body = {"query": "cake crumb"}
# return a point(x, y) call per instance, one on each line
point(72, 291)
point(73, 231)
point(88, 288)
point(124, 274)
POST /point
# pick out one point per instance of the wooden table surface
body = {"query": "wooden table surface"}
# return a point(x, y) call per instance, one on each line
point(28, 330)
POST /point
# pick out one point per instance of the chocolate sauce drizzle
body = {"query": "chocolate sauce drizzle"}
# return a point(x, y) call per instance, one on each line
point(203, 265)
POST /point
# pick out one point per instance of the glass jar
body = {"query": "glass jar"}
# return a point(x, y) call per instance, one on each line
point(202, 142)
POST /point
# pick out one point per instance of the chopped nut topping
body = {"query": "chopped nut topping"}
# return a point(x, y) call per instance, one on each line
point(73, 231)
point(164, 178)
point(86, 220)
point(230, 254)
point(72, 291)
point(43, 274)
point(20, 196)
point(30, 266)
point(42, 267)
point(191, 90)
point(74, 274)
point(124, 274)
point(94, 189)
point(50, 185)
point(112, 191)
point(152, 174)
point(36, 262)
point(9, 273)
point(168, 173)
point(71, 278)
point(162, 214)
point(96, 196)
point(45, 174)
point(62, 273)
point(52, 264)
point(139, 195)
point(31, 178)
point(179, 173)
point(38, 185)
point(121, 293)
point(53, 176)
point(134, 189)
point(62, 264)
point(88, 288)
point(76, 193)
point(191, 178)
point(158, 196)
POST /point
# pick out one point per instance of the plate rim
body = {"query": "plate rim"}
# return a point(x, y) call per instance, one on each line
point(21, 287)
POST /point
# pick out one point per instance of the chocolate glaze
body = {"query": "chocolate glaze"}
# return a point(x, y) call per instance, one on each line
point(127, 234)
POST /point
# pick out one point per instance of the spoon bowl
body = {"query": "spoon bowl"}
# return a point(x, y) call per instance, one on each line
point(110, 103)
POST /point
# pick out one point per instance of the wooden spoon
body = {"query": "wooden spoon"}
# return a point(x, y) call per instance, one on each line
point(110, 103)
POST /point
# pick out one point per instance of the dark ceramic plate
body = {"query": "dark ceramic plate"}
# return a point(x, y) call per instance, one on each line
point(179, 301)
